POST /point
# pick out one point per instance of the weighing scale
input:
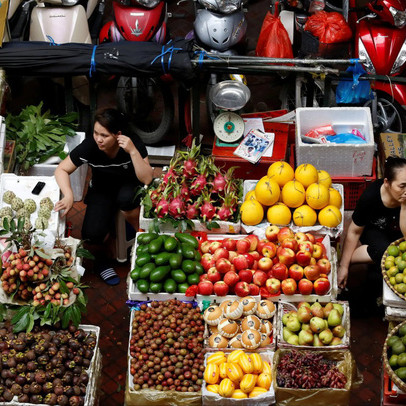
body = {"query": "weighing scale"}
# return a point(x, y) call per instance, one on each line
point(229, 95)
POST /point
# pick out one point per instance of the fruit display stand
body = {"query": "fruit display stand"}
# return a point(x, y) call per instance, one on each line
point(317, 228)
point(209, 398)
point(286, 396)
point(22, 187)
point(285, 307)
point(337, 159)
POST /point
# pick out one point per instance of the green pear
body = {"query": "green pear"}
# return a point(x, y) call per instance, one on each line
point(336, 341)
point(338, 331)
point(339, 307)
point(286, 333)
point(334, 318)
point(293, 339)
point(317, 310)
point(287, 315)
point(306, 327)
point(304, 314)
point(317, 324)
point(316, 341)
point(326, 336)
point(305, 337)
point(293, 324)
point(327, 309)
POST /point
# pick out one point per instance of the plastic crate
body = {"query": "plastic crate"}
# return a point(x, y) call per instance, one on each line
point(391, 394)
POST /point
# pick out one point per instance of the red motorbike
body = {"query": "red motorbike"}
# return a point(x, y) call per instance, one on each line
point(147, 100)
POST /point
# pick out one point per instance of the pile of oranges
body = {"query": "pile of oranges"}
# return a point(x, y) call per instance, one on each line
point(304, 195)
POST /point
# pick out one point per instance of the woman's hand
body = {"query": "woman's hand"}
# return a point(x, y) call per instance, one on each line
point(125, 143)
point(64, 204)
point(342, 276)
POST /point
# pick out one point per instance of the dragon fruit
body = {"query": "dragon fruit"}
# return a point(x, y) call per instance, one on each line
point(219, 183)
point(162, 208)
point(177, 207)
point(207, 210)
point(184, 192)
point(155, 197)
point(198, 185)
point(228, 207)
point(192, 210)
point(191, 161)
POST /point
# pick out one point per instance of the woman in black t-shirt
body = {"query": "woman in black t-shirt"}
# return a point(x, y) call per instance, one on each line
point(379, 219)
point(119, 165)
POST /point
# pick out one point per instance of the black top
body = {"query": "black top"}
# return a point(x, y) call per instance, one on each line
point(371, 212)
point(107, 170)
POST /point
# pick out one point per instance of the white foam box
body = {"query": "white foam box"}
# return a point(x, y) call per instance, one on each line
point(2, 143)
point(336, 159)
point(77, 178)
point(391, 299)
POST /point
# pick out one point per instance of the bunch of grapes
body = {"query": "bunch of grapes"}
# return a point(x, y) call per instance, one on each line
point(308, 370)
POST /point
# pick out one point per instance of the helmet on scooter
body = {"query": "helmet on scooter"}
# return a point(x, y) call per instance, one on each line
point(220, 32)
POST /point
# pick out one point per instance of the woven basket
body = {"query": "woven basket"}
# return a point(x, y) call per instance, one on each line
point(385, 276)
point(398, 382)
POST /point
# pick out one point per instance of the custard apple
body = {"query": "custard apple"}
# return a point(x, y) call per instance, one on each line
point(46, 202)
point(6, 211)
point(22, 213)
point(17, 203)
point(8, 196)
point(30, 206)
point(44, 212)
point(41, 223)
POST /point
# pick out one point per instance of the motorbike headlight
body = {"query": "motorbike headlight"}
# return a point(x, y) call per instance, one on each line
point(399, 17)
point(400, 60)
point(229, 6)
point(363, 54)
point(148, 3)
point(209, 4)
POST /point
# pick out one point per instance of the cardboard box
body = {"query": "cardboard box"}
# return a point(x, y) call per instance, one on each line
point(391, 144)
point(3, 19)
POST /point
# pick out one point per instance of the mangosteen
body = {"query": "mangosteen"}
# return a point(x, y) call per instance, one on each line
point(40, 377)
point(21, 368)
point(86, 363)
point(26, 388)
point(30, 355)
point(21, 379)
point(76, 390)
point(76, 380)
point(67, 378)
point(84, 378)
point(46, 336)
point(39, 349)
point(77, 370)
point(63, 400)
point(3, 346)
point(11, 362)
point(52, 351)
point(51, 399)
point(49, 375)
point(56, 361)
point(72, 328)
point(36, 399)
point(80, 335)
point(82, 389)
point(47, 387)
point(16, 389)
point(23, 398)
point(4, 373)
point(56, 341)
point(12, 373)
point(29, 338)
point(58, 389)
point(20, 357)
point(32, 365)
point(8, 395)
point(68, 391)
point(30, 377)
point(18, 345)
point(74, 344)
point(76, 401)
point(78, 359)
point(9, 382)
point(35, 388)
point(88, 354)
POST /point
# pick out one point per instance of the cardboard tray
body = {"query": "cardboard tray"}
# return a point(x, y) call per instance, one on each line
point(317, 228)
point(210, 398)
point(285, 307)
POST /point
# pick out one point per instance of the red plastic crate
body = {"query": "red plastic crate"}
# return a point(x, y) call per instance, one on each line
point(353, 186)
point(390, 396)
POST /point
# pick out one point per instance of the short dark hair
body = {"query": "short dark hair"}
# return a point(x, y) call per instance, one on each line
point(111, 119)
point(392, 164)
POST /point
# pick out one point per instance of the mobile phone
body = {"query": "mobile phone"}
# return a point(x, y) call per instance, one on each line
point(37, 188)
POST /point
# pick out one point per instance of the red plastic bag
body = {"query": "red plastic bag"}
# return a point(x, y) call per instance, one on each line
point(273, 41)
point(328, 27)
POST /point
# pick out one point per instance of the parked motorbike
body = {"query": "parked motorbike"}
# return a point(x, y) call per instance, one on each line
point(148, 101)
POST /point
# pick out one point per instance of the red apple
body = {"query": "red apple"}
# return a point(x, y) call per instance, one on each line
point(301, 237)
point(207, 261)
point(230, 244)
point(255, 265)
point(290, 243)
point(285, 232)
point(205, 246)
point(242, 289)
point(289, 286)
point(311, 237)
point(303, 257)
point(286, 256)
point(223, 265)
point(245, 275)
point(220, 288)
point(213, 275)
point(255, 254)
point(306, 246)
point(205, 288)
point(269, 250)
point(321, 286)
point(232, 255)
point(253, 239)
point(296, 272)
point(271, 233)
point(305, 287)
point(240, 262)
point(254, 289)
point(243, 246)
point(273, 285)
point(250, 260)
point(214, 245)
point(279, 271)
point(261, 244)
point(220, 253)
point(259, 278)
point(203, 277)
point(312, 272)
point(325, 266)
point(313, 261)
point(265, 264)
point(318, 249)
point(231, 278)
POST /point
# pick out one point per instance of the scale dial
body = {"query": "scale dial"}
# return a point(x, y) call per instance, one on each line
point(228, 127)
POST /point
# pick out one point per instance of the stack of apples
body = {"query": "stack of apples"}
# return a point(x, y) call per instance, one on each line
point(283, 262)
